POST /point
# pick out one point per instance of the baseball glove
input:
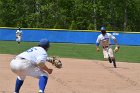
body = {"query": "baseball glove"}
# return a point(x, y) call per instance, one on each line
point(116, 49)
point(56, 62)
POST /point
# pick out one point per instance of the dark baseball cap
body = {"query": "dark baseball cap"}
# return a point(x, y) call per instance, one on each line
point(44, 43)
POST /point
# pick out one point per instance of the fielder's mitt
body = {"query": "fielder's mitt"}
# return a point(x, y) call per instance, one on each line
point(57, 63)
point(116, 49)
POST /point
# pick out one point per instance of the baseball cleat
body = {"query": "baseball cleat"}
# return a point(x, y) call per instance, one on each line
point(40, 91)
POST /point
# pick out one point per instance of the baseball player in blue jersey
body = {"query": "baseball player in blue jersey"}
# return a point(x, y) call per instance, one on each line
point(104, 40)
point(32, 63)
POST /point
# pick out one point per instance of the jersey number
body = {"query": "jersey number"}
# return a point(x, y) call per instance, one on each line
point(31, 50)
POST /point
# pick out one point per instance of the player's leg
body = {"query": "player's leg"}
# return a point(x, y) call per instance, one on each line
point(112, 57)
point(106, 55)
point(114, 62)
point(18, 39)
point(109, 59)
point(42, 83)
point(19, 83)
point(41, 75)
point(17, 66)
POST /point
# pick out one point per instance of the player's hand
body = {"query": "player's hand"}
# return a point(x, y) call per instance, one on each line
point(97, 49)
point(117, 48)
point(50, 71)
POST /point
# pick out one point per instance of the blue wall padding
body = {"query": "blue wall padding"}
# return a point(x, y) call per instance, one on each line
point(129, 39)
point(68, 36)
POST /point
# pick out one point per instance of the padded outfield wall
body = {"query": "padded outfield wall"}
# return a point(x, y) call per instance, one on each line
point(68, 36)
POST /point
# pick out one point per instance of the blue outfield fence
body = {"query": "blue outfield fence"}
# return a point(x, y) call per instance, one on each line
point(67, 36)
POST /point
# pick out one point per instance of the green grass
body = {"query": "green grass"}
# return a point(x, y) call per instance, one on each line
point(82, 51)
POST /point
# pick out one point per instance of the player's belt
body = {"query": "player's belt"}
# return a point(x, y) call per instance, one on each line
point(19, 58)
point(105, 46)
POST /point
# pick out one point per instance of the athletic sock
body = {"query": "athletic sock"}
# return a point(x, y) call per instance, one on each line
point(42, 82)
point(114, 61)
point(18, 85)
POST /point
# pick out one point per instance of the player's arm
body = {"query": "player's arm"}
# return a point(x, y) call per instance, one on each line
point(16, 34)
point(97, 44)
point(41, 63)
point(115, 40)
point(21, 34)
point(50, 59)
point(97, 47)
point(116, 43)
point(117, 46)
point(43, 67)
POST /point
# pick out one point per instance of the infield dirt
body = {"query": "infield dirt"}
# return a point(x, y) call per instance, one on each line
point(77, 76)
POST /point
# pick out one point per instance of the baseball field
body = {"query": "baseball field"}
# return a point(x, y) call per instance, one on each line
point(84, 70)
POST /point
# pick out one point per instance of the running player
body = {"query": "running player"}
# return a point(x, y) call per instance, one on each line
point(104, 40)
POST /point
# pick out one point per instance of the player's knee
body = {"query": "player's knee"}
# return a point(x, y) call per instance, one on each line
point(21, 77)
point(112, 58)
point(44, 74)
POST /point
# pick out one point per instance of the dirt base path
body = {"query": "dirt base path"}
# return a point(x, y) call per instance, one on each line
point(77, 76)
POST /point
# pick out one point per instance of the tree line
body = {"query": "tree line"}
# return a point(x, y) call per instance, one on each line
point(115, 15)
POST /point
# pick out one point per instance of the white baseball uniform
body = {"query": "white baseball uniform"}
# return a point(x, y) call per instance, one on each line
point(104, 41)
point(25, 64)
point(18, 35)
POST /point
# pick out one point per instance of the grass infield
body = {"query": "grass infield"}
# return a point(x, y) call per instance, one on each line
point(81, 51)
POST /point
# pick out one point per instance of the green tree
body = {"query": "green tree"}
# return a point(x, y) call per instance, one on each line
point(114, 14)
point(73, 26)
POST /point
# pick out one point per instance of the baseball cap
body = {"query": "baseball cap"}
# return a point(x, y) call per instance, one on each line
point(44, 43)
point(103, 28)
